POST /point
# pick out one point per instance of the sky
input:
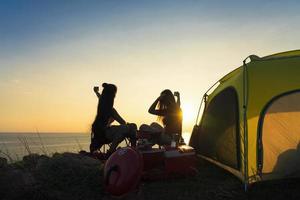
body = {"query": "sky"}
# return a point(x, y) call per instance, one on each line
point(53, 52)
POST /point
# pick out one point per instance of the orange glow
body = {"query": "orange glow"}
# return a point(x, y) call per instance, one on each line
point(189, 113)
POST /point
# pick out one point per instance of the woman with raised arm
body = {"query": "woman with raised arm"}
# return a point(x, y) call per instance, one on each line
point(168, 111)
point(102, 130)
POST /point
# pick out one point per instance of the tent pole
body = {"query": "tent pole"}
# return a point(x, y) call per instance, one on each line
point(245, 104)
point(199, 111)
point(203, 100)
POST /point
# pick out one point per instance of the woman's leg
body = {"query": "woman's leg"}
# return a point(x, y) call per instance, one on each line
point(116, 134)
point(155, 130)
point(132, 134)
point(157, 127)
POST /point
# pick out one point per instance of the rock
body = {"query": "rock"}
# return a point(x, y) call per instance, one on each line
point(31, 160)
point(3, 162)
point(15, 183)
point(62, 176)
point(28, 179)
point(70, 174)
point(41, 161)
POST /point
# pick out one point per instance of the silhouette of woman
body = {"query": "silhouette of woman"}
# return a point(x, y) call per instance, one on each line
point(169, 113)
point(102, 130)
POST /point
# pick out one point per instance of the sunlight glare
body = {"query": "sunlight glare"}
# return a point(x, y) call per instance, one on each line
point(189, 113)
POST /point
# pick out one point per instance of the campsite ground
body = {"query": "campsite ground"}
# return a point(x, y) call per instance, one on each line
point(213, 182)
point(72, 176)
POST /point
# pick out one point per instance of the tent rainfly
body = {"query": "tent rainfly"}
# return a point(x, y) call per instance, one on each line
point(250, 121)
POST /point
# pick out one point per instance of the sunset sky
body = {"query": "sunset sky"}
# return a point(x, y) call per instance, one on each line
point(53, 52)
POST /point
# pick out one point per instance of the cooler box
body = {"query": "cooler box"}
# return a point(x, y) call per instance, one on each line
point(180, 161)
point(153, 158)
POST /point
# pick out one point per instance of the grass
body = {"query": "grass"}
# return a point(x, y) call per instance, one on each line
point(43, 148)
point(24, 142)
point(7, 154)
point(79, 145)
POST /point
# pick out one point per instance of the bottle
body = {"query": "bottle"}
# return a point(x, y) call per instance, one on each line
point(173, 142)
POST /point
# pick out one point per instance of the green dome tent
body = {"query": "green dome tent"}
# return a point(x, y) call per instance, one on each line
point(250, 124)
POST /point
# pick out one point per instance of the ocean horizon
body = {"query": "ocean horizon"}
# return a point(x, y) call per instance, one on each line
point(15, 145)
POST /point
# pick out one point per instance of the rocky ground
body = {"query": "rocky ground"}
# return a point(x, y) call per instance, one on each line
point(73, 176)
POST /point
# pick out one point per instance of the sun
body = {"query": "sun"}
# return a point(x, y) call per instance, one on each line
point(189, 113)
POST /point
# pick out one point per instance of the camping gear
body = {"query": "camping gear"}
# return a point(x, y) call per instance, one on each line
point(122, 171)
point(168, 162)
point(250, 124)
point(180, 161)
point(125, 167)
point(165, 161)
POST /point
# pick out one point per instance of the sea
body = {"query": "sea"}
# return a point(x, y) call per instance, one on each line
point(14, 146)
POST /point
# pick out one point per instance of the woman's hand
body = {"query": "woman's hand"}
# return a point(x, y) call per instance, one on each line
point(176, 94)
point(96, 89)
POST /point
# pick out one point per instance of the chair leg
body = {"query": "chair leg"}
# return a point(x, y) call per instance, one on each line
point(103, 148)
point(126, 141)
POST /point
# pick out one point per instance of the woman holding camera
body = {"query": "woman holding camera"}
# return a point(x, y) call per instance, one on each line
point(102, 130)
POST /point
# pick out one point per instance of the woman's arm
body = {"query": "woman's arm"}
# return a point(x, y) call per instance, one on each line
point(152, 109)
point(117, 117)
point(96, 90)
point(177, 94)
